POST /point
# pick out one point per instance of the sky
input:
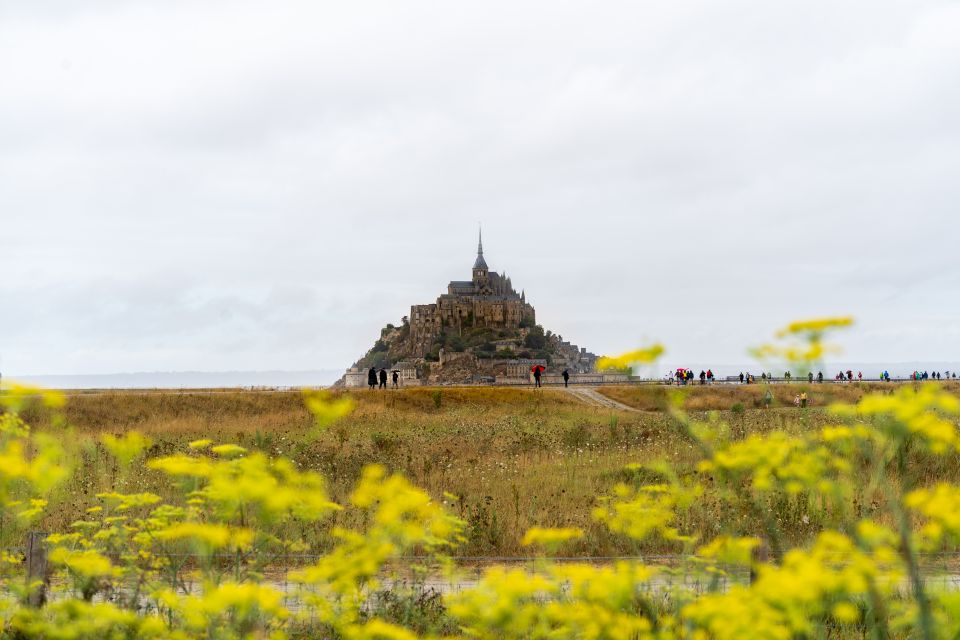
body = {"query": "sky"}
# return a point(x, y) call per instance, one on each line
point(262, 185)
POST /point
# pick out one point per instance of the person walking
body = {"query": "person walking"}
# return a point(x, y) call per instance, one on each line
point(710, 375)
point(810, 377)
point(536, 377)
point(741, 377)
point(703, 377)
point(383, 378)
point(566, 378)
point(796, 401)
point(396, 379)
point(372, 378)
point(819, 377)
point(803, 400)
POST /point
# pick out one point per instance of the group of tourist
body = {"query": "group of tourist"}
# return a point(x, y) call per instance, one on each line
point(374, 377)
point(747, 378)
point(923, 375)
point(848, 376)
point(378, 378)
point(684, 376)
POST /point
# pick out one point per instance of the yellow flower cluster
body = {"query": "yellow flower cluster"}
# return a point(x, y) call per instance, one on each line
point(631, 358)
point(566, 601)
point(804, 349)
point(550, 539)
point(645, 511)
point(922, 413)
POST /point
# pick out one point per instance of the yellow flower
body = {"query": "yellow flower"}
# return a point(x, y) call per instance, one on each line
point(124, 501)
point(729, 550)
point(908, 411)
point(88, 564)
point(228, 450)
point(630, 358)
point(550, 539)
point(816, 325)
point(207, 536)
point(640, 513)
point(16, 396)
point(326, 408)
point(126, 449)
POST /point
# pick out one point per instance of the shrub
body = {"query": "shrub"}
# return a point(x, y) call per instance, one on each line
point(535, 338)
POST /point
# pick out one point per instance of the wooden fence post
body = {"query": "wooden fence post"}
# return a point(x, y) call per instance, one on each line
point(760, 554)
point(37, 568)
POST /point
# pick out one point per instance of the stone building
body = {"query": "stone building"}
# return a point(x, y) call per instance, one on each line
point(487, 300)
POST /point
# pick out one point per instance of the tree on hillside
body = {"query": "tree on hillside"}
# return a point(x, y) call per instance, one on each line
point(535, 338)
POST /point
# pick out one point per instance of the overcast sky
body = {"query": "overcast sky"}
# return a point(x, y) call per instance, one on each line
point(264, 184)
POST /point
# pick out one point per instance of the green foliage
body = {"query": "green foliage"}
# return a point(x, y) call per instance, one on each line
point(456, 344)
point(535, 338)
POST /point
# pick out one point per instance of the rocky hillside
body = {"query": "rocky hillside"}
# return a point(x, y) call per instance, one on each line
point(469, 353)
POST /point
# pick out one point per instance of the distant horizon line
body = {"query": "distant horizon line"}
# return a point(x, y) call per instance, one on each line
point(171, 371)
point(343, 369)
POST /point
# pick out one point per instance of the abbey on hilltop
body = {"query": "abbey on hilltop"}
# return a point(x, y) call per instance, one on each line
point(480, 330)
point(488, 300)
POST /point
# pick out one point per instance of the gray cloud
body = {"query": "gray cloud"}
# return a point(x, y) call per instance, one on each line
point(252, 185)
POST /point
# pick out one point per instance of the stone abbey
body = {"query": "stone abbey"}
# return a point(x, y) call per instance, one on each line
point(488, 300)
point(480, 331)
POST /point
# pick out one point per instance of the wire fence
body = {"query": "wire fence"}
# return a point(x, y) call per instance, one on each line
point(424, 579)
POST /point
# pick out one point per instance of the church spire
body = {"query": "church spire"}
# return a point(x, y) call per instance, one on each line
point(480, 263)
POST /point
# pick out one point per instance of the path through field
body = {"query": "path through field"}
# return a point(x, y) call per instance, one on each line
point(590, 396)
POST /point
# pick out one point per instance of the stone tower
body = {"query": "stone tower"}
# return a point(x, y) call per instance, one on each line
point(481, 273)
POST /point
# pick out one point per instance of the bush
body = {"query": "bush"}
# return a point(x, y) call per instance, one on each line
point(456, 343)
point(535, 339)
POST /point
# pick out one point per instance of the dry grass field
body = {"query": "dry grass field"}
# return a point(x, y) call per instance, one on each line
point(722, 397)
point(503, 459)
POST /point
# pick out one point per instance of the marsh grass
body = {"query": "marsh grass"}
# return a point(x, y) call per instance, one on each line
point(513, 458)
point(721, 397)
